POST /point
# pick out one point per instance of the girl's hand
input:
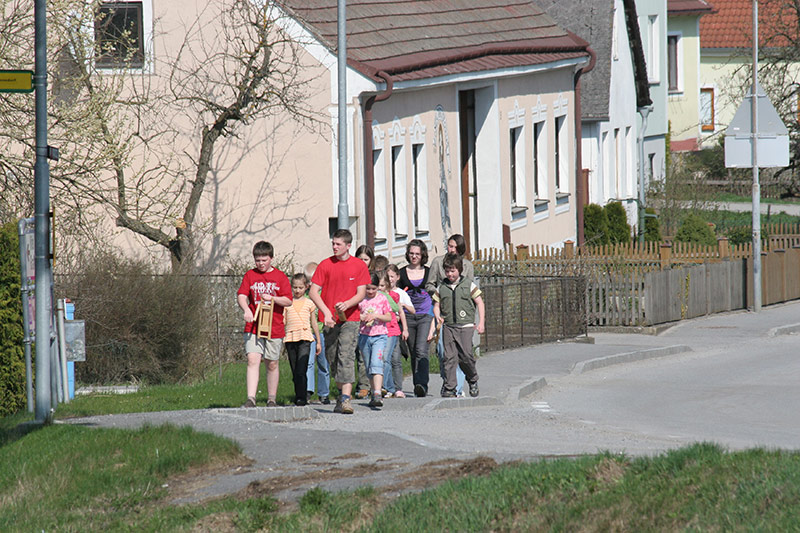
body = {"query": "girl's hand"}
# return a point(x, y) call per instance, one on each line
point(319, 347)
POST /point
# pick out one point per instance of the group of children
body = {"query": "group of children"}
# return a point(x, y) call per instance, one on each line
point(351, 313)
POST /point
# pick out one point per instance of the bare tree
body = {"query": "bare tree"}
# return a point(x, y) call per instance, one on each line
point(138, 140)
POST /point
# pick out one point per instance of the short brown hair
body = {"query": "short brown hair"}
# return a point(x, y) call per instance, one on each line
point(452, 260)
point(422, 248)
point(343, 234)
point(263, 248)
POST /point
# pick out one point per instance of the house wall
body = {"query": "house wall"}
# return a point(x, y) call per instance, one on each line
point(684, 101)
point(609, 147)
point(652, 16)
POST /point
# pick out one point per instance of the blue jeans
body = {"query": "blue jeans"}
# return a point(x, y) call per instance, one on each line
point(459, 372)
point(373, 349)
point(323, 371)
point(391, 361)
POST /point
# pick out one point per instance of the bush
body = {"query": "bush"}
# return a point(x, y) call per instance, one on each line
point(695, 229)
point(12, 363)
point(652, 226)
point(140, 326)
point(595, 225)
point(619, 231)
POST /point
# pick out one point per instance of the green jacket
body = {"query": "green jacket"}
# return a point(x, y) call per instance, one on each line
point(457, 301)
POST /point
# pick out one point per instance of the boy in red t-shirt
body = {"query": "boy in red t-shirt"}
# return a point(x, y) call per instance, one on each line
point(343, 280)
point(264, 282)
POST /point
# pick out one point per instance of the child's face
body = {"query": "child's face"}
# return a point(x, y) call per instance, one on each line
point(372, 290)
point(452, 274)
point(298, 289)
point(384, 286)
point(393, 277)
point(263, 262)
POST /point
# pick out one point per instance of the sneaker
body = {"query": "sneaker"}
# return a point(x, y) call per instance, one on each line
point(376, 401)
point(446, 393)
point(338, 407)
point(271, 403)
point(301, 402)
point(419, 391)
point(473, 389)
point(362, 393)
point(347, 407)
point(325, 400)
point(399, 394)
point(384, 393)
point(249, 403)
point(442, 390)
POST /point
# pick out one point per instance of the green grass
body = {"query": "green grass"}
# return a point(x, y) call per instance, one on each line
point(735, 198)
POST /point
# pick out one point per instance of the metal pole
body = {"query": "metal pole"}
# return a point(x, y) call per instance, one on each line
point(62, 350)
point(343, 212)
point(644, 112)
point(41, 174)
point(756, 186)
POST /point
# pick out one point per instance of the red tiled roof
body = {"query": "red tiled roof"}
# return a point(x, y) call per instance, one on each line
point(688, 7)
point(425, 38)
point(731, 25)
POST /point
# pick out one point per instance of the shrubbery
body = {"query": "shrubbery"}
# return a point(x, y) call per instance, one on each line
point(140, 325)
point(652, 227)
point(695, 229)
point(595, 225)
point(619, 231)
point(12, 364)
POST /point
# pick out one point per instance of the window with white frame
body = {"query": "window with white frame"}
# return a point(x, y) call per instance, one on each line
point(617, 163)
point(653, 49)
point(539, 160)
point(674, 62)
point(421, 215)
point(561, 154)
point(379, 178)
point(123, 34)
point(630, 180)
point(707, 109)
point(517, 167)
point(399, 212)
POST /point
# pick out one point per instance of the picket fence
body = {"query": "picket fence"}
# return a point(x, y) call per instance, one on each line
point(633, 285)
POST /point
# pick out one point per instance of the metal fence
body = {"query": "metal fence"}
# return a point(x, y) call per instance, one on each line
point(522, 311)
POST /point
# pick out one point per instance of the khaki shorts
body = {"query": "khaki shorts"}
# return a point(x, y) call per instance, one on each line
point(340, 350)
point(269, 349)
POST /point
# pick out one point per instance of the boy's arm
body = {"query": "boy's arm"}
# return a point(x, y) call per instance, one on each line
point(481, 324)
point(244, 303)
point(361, 293)
point(313, 293)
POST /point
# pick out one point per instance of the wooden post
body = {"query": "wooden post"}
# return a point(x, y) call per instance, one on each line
point(666, 256)
point(569, 249)
point(724, 248)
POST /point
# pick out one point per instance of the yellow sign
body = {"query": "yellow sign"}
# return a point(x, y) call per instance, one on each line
point(16, 81)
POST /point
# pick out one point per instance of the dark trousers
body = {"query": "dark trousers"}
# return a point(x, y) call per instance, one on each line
point(458, 353)
point(418, 327)
point(298, 353)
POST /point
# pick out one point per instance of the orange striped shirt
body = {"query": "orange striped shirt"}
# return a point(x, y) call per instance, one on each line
point(297, 320)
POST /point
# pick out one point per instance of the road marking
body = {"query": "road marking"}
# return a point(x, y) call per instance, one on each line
point(543, 407)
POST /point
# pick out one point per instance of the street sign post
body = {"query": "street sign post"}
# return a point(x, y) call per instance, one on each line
point(16, 81)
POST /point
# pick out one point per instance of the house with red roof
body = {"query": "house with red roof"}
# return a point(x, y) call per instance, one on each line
point(726, 41)
point(683, 66)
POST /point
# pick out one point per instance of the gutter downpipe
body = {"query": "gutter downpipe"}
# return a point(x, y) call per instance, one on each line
point(581, 195)
point(369, 169)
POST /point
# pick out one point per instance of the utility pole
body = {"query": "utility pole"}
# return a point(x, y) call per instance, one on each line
point(756, 185)
point(343, 219)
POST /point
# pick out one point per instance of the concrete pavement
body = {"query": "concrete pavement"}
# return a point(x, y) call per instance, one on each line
point(404, 445)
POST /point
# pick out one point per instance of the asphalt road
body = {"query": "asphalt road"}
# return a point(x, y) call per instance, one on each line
point(726, 378)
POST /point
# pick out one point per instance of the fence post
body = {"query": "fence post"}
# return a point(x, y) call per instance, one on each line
point(569, 249)
point(666, 256)
point(522, 252)
point(724, 248)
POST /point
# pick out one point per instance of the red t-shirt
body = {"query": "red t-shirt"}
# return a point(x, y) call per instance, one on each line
point(274, 283)
point(340, 281)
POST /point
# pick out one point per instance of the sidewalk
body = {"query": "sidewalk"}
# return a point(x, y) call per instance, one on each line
point(404, 444)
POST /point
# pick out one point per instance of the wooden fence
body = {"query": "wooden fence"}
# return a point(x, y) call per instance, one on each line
point(628, 285)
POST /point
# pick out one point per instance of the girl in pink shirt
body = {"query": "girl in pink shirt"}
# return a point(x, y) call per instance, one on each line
point(375, 313)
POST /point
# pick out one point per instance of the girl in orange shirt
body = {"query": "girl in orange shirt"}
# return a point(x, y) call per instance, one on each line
point(301, 330)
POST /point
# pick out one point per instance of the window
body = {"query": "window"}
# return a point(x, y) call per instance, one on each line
point(561, 155)
point(673, 61)
point(707, 109)
point(617, 164)
point(539, 166)
point(399, 213)
point(119, 33)
point(421, 218)
point(653, 49)
point(517, 162)
point(379, 175)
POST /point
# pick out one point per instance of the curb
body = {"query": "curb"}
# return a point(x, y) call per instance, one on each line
point(460, 403)
point(641, 355)
point(526, 389)
point(271, 414)
point(790, 329)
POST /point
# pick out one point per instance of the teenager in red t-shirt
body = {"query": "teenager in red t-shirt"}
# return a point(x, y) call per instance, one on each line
point(343, 279)
point(264, 282)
